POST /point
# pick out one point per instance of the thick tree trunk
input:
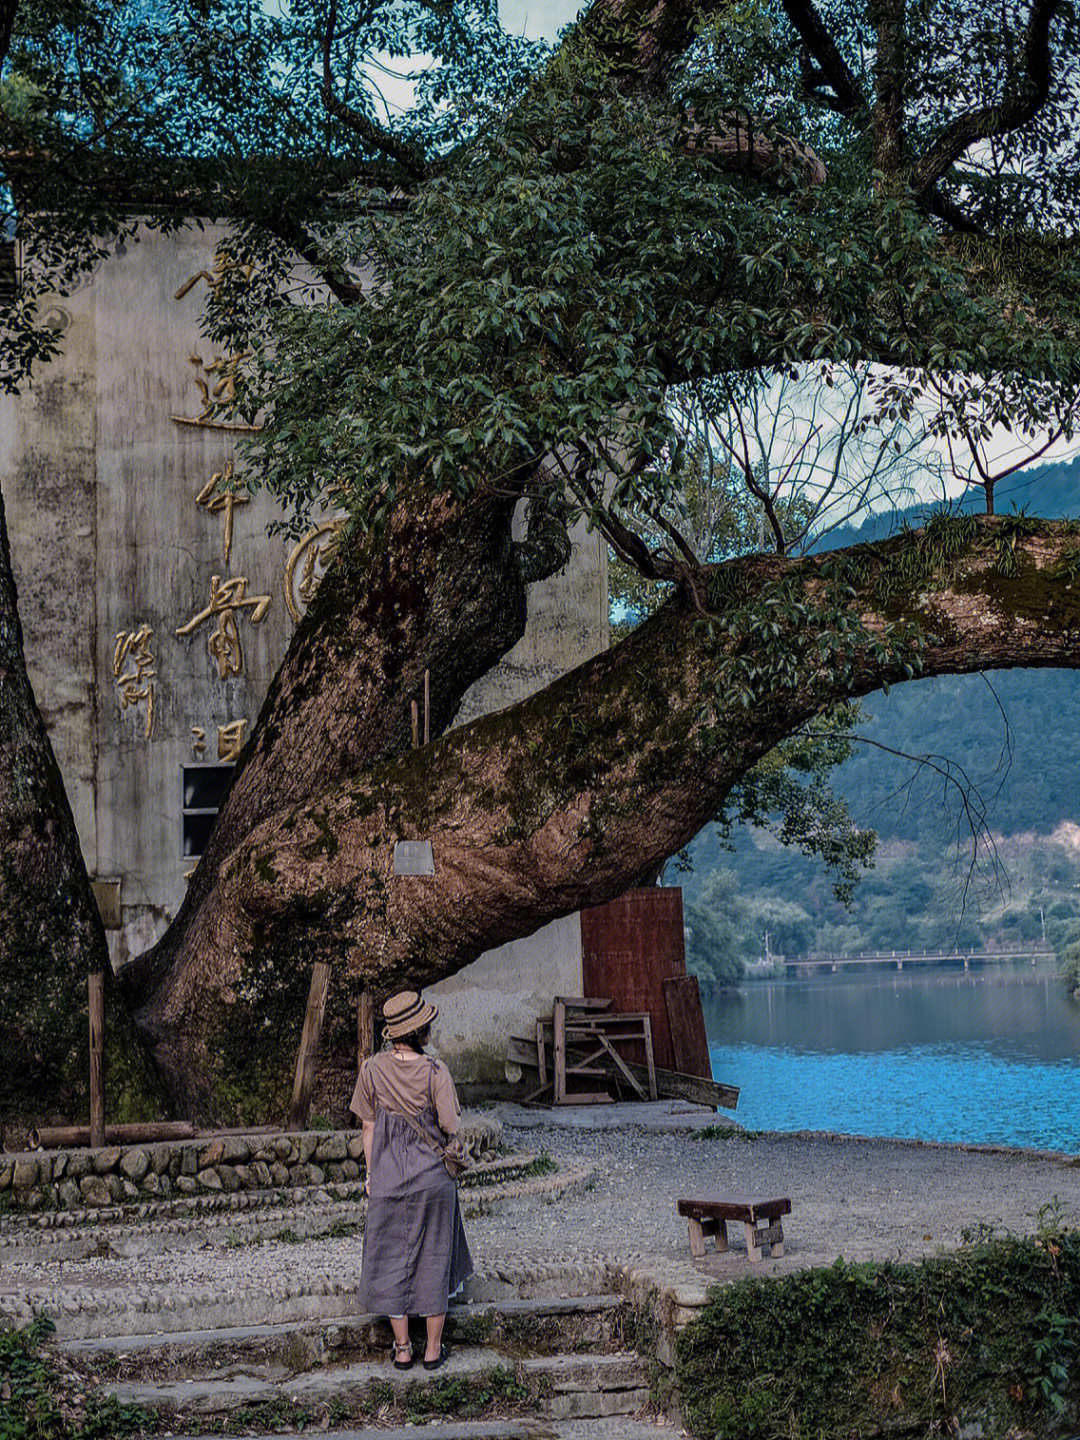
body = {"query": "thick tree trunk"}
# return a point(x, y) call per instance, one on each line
point(442, 591)
point(52, 932)
point(562, 800)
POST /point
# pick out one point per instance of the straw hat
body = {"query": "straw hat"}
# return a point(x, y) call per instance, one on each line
point(405, 1013)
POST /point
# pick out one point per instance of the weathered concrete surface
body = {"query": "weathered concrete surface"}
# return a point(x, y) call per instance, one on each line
point(102, 463)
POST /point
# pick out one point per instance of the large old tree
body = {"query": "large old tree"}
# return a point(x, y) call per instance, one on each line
point(525, 284)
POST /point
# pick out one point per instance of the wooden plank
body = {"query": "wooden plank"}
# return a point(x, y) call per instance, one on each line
point(682, 1000)
point(96, 998)
point(629, 947)
point(541, 1054)
point(559, 1022)
point(584, 1002)
point(309, 1046)
point(734, 1207)
point(649, 1065)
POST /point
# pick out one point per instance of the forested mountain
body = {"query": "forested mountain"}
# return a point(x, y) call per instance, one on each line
point(1003, 756)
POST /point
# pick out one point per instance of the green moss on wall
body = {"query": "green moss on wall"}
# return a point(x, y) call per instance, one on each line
point(984, 1337)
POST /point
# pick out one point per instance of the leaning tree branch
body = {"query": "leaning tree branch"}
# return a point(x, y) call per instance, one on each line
point(990, 121)
point(560, 801)
point(833, 70)
point(406, 155)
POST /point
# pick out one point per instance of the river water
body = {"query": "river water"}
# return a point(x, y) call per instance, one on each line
point(989, 1057)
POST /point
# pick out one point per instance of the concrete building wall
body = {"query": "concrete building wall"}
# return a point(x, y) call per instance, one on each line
point(155, 610)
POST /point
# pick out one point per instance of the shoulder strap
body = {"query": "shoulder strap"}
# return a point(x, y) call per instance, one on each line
point(428, 1140)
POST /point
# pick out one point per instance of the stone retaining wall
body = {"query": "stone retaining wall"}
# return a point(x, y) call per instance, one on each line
point(115, 1174)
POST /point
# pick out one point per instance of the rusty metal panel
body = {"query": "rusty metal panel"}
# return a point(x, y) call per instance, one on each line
point(629, 948)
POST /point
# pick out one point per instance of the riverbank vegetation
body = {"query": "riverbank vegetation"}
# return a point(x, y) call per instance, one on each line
point(979, 847)
point(979, 1342)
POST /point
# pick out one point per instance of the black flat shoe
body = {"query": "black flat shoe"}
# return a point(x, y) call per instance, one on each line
point(400, 1350)
point(443, 1356)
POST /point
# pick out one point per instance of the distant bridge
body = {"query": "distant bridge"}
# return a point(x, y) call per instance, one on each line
point(820, 964)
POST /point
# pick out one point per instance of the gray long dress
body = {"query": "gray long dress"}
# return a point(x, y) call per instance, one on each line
point(415, 1251)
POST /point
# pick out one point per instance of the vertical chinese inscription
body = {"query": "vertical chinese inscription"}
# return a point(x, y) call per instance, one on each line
point(230, 740)
point(228, 598)
point(134, 669)
point(217, 498)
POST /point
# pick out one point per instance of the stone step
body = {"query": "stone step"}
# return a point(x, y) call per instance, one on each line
point(519, 1327)
point(81, 1309)
point(474, 1379)
point(192, 1221)
point(620, 1427)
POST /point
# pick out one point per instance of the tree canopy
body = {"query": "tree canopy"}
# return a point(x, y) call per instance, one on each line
point(547, 282)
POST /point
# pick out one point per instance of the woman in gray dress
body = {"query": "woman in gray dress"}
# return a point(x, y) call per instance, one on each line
point(415, 1251)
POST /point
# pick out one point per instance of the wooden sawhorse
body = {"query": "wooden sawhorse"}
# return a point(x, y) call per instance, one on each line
point(709, 1214)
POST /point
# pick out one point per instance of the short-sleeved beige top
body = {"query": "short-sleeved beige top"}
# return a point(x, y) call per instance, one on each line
point(407, 1086)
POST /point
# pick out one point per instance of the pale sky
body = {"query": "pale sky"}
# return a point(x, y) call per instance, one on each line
point(539, 19)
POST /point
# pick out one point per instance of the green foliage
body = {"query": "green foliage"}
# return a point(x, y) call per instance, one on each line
point(40, 1402)
point(542, 1165)
point(1068, 959)
point(722, 1132)
point(465, 1397)
point(983, 1336)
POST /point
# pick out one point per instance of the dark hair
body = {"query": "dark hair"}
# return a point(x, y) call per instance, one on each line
point(417, 1040)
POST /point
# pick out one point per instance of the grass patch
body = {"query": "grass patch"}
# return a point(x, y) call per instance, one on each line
point(466, 1397)
point(542, 1165)
point(40, 1401)
point(723, 1132)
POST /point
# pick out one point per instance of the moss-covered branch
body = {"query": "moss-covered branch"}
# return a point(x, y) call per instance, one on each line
point(561, 801)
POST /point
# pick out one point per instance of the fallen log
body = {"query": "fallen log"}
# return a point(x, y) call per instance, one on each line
point(141, 1132)
point(64, 1137)
point(670, 1084)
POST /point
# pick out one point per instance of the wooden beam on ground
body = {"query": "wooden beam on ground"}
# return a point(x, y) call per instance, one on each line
point(63, 1137)
point(96, 995)
point(309, 1046)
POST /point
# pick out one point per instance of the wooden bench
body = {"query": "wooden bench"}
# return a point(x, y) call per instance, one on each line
point(709, 1214)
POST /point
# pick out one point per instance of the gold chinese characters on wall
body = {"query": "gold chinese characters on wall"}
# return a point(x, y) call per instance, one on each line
point(228, 599)
point(218, 498)
point(230, 741)
point(134, 669)
point(308, 563)
point(216, 381)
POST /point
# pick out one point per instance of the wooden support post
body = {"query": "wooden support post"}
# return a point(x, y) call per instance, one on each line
point(415, 726)
point(560, 1052)
point(96, 991)
point(365, 1028)
point(649, 1058)
point(309, 1046)
point(427, 707)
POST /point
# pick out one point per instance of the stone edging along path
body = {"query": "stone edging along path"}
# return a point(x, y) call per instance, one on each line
point(79, 1179)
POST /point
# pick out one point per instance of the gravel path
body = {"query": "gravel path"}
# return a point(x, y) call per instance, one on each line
point(863, 1199)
